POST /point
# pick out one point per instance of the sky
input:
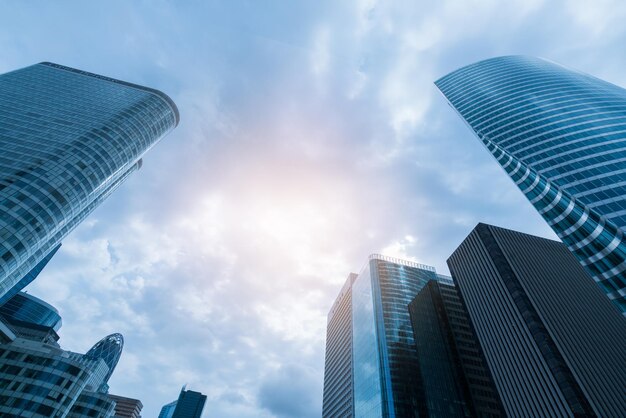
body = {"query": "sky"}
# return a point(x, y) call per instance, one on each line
point(311, 136)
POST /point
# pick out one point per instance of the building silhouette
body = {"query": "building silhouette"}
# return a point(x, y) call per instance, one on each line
point(454, 374)
point(559, 134)
point(553, 342)
point(189, 404)
point(40, 379)
point(68, 139)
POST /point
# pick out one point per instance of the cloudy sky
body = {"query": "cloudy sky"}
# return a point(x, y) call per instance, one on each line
point(311, 135)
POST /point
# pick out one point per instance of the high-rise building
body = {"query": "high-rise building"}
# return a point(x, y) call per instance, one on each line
point(38, 378)
point(108, 349)
point(370, 329)
point(26, 308)
point(560, 135)
point(68, 138)
point(337, 397)
point(168, 410)
point(456, 379)
point(189, 405)
point(553, 342)
point(126, 407)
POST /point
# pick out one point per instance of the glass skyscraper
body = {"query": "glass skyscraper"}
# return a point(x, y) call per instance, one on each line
point(372, 367)
point(190, 404)
point(561, 136)
point(68, 138)
point(555, 345)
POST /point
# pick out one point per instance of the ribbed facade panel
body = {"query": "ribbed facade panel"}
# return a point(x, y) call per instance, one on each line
point(338, 381)
point(67, 139)
point(561, 136)
point(552, 340)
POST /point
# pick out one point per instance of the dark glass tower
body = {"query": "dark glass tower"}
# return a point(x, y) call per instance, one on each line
point(385, 365)
point(455, 377)
point(24, 308)
point(338, 391)
point(553, 342)
point(68, 138)
point(561, 136)
point(189, 405)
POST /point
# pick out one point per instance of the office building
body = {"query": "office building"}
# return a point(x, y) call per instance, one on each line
point(383, 380)
point(337, 395)
point(24, 308)
point(190, 404)
point(68, 138)
point(559, 135)
point(168, 410)
point(126, 407)
point(455, 377)
point(108, 349)
point(555, 345)
point(40, 379)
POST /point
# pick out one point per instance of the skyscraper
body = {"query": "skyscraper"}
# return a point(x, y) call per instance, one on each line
point(167, 411)
point(454, 374)
point(554, 344)
point(108, 349)
point(374, 335)
point(561, 136)
point(190, 404)
point(68, 138)
point(38, 378)
point(126, 407)
point(337, 399)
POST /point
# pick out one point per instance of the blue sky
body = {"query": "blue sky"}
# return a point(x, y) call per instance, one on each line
point(311, 135)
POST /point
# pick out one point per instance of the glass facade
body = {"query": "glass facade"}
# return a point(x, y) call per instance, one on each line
point(554, 343)
point(561, 136)
point(68, 138)
point(168, 410)
point(94, 405)
point(108, 349)
point(367, 368)
point(38, 384)
point(32, 275)
point(26, 308)
point(189, 405)
point(386, 367)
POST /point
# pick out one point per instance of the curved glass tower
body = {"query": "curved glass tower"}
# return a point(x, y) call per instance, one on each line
point(561, 137)
point(26, 308)
point(68, 138)
point(108, 349)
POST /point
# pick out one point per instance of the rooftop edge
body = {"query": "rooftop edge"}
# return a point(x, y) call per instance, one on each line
point(159, 93)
